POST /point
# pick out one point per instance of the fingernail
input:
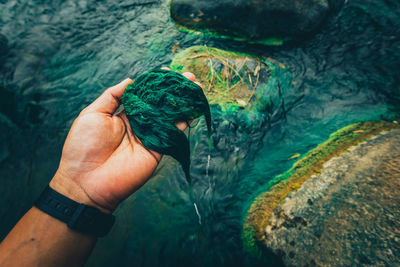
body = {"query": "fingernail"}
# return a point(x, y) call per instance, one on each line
point(127, 80)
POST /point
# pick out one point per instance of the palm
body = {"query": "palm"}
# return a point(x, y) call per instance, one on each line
point(101, 153)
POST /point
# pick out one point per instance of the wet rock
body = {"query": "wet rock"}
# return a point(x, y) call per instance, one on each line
point(228, 78)
point(252, 20)
point(347, 213)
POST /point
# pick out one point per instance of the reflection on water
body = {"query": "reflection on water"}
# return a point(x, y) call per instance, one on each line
point(57, 56)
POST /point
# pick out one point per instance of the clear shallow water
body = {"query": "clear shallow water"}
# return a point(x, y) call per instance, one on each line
point(61, 55)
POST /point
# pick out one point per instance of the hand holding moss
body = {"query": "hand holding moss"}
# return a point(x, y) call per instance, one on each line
point(155, 102)
point(102, 161)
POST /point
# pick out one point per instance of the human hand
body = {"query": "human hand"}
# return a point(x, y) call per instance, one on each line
point(103, 162)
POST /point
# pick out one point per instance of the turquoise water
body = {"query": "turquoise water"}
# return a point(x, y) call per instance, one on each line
point(60, 55)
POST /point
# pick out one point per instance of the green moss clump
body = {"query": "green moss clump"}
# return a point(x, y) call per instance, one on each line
point(281, 186)
point(155, 102)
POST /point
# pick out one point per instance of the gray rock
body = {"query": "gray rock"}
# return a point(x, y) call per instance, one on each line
point(348, 215)
point(252, 19)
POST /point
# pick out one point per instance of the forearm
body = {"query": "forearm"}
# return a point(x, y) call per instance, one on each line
point(41, 240)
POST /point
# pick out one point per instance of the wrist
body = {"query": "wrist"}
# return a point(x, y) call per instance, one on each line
point(69, 188)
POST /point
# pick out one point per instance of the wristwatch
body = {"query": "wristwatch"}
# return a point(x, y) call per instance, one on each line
point(79, 217)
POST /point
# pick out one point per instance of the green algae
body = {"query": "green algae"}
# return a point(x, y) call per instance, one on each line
point(230, 79)
point(155, 102)
point(218, 70)
point(270, 41)
point(282, 185)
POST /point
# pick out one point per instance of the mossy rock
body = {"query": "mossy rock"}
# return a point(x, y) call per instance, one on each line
point(269, 22)
point(276, 191)
point(228, 78)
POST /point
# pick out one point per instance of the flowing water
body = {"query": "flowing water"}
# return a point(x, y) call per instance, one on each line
point(57, 56)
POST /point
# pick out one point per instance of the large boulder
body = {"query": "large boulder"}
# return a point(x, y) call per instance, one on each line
point(252, 20)
point(338, 206)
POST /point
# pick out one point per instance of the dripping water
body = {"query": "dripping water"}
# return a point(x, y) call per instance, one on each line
point(209, 187)
point(207, 168)
point(197, 212)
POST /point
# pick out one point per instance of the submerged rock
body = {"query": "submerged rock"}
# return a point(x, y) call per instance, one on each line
point(339, 205)
point(3, 45)
point(8, 136)
point(3, 49)
point(256, 21)
point(228, 78)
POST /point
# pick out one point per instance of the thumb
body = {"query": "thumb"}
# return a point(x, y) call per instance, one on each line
point(108, 102)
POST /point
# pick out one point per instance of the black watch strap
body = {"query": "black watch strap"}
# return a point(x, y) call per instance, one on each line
point(77, 216)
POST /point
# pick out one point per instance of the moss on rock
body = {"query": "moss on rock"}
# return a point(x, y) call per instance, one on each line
point(228, 78)
point(281, 186)
point(270, 41)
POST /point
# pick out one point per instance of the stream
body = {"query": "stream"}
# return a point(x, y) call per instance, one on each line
point(57, 56)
